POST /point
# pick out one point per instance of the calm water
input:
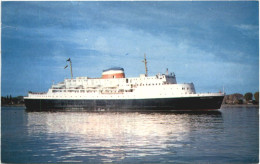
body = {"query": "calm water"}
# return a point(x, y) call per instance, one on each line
point(228, 136)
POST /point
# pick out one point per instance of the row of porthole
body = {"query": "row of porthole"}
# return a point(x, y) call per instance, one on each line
point(181, 93)
point(143, 84)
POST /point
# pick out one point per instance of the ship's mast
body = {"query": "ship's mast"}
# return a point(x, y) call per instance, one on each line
point(69, 60)
point(71, 70)
point(145, 63)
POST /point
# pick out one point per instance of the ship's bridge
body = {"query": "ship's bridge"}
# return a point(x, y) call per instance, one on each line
point(167, 78)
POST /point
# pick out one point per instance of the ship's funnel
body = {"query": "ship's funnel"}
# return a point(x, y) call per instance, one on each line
point(115, 72)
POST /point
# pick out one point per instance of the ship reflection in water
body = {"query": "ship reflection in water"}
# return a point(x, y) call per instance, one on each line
point(124, 137)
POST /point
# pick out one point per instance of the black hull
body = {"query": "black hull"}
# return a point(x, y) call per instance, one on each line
point(158, 104)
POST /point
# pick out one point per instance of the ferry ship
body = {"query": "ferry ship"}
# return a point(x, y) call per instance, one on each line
point(113, 91)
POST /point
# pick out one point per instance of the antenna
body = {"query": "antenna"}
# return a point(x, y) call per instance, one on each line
point(70, 68)
point(145, 63)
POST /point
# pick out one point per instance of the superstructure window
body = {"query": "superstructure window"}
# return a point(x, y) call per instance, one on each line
point(53, 91)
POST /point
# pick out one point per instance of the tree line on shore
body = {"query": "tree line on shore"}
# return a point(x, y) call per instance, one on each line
point(238, 98)
point(9, 100)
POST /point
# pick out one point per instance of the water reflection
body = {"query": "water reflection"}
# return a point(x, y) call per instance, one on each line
point(109, 137)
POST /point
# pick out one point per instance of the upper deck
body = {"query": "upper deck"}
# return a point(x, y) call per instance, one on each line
point(88, 83)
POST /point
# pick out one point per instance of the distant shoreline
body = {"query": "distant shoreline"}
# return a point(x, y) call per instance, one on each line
point(12, 105)
point(240, 105)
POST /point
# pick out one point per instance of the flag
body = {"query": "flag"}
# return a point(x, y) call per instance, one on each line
point(68, 59)
point(65, 66)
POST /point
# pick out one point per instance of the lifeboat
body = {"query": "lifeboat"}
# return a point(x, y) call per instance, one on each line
point(115, 72)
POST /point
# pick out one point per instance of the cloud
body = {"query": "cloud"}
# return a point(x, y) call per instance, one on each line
point(248, 30)
point(247, 27)
point(109, 47)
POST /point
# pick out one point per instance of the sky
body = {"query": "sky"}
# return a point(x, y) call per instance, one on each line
point(215, 45)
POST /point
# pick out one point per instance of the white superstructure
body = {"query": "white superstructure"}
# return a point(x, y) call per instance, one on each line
point(159, 86)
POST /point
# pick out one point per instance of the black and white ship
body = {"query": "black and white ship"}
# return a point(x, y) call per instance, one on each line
point(115, 92)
